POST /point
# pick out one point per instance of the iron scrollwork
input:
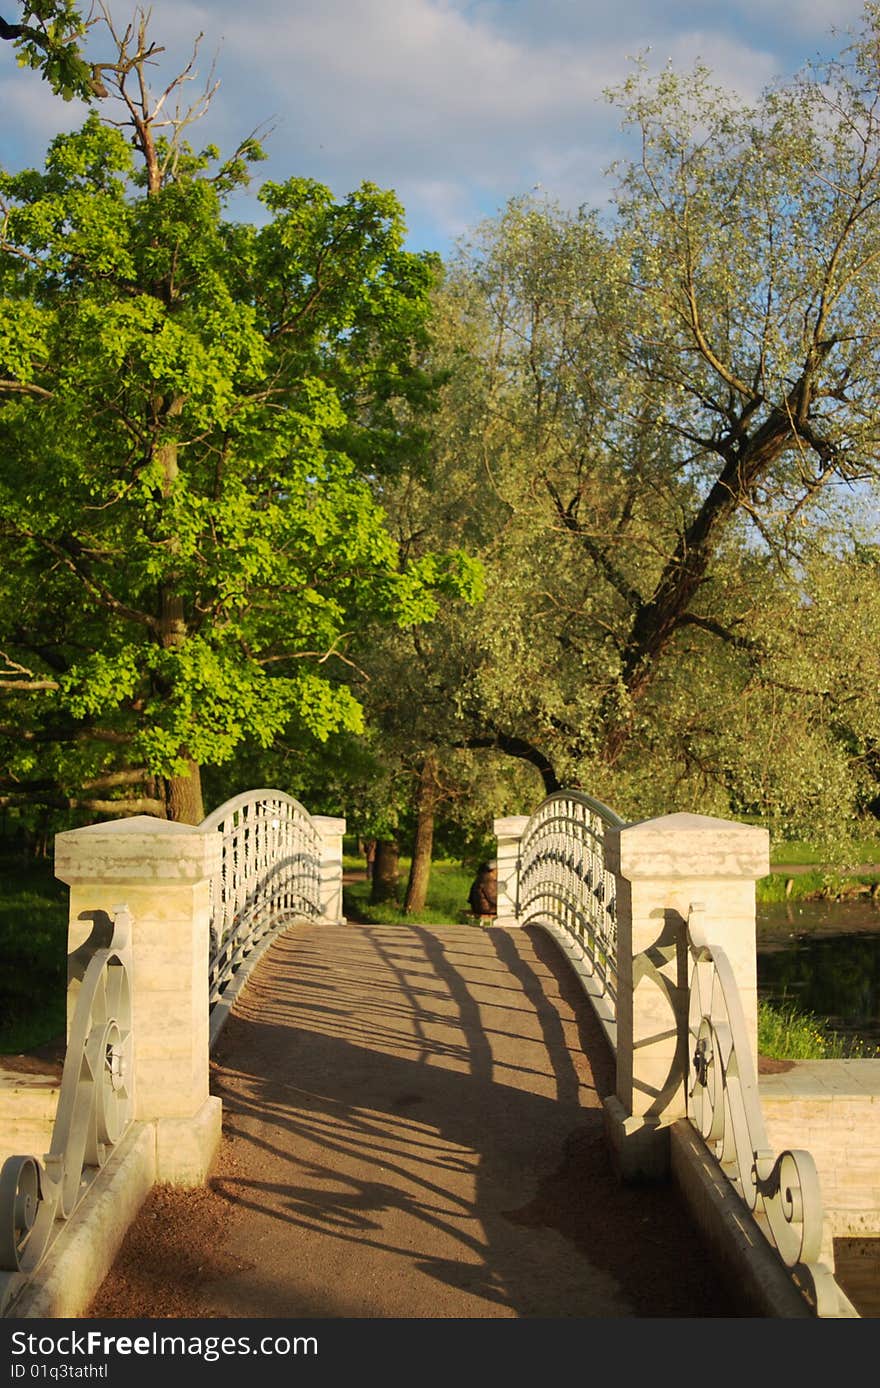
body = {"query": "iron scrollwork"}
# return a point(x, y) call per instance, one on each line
point(95, 1110)
point(781, 1190)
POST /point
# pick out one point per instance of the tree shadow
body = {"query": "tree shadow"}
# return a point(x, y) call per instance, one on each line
point(434, 1107)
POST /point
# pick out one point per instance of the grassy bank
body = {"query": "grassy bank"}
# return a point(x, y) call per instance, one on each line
point(784, 1033)
point(821, 875)
point(819, 884)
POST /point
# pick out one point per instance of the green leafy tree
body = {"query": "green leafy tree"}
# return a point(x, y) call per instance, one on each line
point(193, 415)
point(49, 37)
point(659, 624)
point(660, 435)
point(433, 776)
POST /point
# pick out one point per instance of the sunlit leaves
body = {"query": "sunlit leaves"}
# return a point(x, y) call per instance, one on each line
point(180, 397)
point(51, 45)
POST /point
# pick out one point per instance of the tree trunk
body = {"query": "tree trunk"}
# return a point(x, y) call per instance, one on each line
point(423, 843)
point(657, 620)
point(368, 848)
point(183, 796)
point(523, 751)
point(386, 871)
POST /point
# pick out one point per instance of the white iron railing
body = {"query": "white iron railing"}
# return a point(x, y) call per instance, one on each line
point(564, 887)
point(272, 869)
point(95, 1109)
point(781, 1190)
point(270, 872)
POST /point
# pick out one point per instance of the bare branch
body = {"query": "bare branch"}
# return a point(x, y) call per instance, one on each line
point(57, 800)
point(29, 686)
point(740, 643)
point(25, 388)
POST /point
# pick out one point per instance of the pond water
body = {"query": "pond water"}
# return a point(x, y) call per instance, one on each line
point(824, 956)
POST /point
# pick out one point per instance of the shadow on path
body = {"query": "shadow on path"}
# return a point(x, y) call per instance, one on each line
point(414, 1129)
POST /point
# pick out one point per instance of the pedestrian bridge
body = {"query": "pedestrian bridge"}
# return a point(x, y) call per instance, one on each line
point(558, 1116)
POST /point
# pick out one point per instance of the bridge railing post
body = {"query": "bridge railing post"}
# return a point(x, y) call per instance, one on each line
point(331, 831)
point(162, 872)
point(508, 833)
point(662, 866)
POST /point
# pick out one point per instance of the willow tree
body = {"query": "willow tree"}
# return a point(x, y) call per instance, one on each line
point(193, 413)
point(753, 238)
point(669, 421)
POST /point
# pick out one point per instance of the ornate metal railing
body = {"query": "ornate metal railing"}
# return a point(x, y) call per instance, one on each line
point(95, 1109)
point(781, 1190)
point(270, 871)
point(564, 887)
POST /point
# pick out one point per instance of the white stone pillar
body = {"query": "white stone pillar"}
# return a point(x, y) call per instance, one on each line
point(162, 872)
point(663, 866)
point(508, 833)
point(331, 831)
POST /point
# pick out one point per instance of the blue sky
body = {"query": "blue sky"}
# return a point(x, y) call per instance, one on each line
point(457, 105)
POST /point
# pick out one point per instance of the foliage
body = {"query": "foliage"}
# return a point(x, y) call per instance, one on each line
point(193, 415)
point(33, 946)
point(656, 429)
point(658, 434)
point(784, 1033)
point(49, 39)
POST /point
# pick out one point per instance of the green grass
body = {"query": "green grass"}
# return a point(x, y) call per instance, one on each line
point(33, 948)
point(853, 853)
point(784, 1033)
point(832, 874)
point(447, 902)
point(813, 885)
point(794, 852)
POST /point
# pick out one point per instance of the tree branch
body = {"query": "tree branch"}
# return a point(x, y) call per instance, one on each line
point(741, 643)
point(29, 686)
point(522, 750)
point(59, 801)
point(67, 551)
point(26, 388)
point(571, 523)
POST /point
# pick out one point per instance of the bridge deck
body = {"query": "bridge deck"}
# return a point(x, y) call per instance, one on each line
point(412, 1129)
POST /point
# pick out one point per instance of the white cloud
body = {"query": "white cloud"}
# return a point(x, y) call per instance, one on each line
point(386, 66)
point(457, 104)
point(441, 203)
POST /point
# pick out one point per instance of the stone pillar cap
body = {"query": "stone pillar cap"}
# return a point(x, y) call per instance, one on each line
point(511, 826)
point(328, 824)
point(688, 845)
point(139, 849)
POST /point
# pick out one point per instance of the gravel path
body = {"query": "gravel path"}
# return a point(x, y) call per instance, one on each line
point(412, 1128)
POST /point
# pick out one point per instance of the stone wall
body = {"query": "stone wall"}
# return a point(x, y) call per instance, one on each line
point(831, 1108)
